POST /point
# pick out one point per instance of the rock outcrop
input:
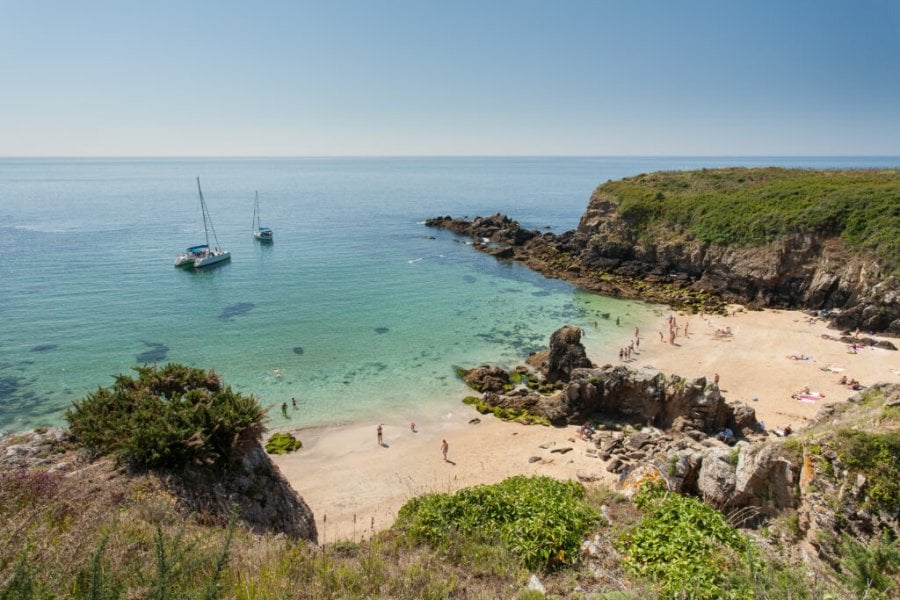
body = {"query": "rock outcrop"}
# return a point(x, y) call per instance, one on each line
point(264, 500)
point(642, 397)
point(566, 353)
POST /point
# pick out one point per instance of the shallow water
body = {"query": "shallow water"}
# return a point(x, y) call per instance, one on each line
point(360, 307)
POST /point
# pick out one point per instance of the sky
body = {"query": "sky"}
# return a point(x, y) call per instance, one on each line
point(449, 77)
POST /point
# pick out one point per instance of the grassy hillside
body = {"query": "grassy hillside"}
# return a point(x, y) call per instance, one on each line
point(753, 206)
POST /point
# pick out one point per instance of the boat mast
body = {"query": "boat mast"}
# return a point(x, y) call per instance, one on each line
point(256, 210)
point(207, 221)
point(203, 209)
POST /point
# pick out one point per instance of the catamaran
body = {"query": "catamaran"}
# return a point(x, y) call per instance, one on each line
point(263, 234)
point(203, 255)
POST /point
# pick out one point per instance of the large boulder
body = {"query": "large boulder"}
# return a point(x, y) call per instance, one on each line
point(765, 478)
point(486, 378)
point(566, 354)
point(753, 475)
point(716, 480)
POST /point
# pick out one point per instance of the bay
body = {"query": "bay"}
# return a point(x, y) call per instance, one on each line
point(359, 307)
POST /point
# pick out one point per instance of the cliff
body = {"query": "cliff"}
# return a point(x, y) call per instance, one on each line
point(820, 240)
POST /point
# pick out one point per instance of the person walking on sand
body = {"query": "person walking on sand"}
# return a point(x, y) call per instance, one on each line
point(380, 436)
point(444, 448)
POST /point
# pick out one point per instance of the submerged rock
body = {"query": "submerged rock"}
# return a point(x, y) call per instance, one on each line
point(236, 310)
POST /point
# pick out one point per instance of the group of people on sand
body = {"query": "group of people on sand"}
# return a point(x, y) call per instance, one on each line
point(445, 447)
point(674, 330)
point(632, 347)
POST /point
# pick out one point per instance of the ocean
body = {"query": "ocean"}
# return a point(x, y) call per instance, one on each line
point(356, 310)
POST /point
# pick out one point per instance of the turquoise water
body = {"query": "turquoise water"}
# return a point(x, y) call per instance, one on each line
point(360, 307)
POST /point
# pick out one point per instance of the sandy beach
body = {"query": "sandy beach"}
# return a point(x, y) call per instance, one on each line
point(355, 487)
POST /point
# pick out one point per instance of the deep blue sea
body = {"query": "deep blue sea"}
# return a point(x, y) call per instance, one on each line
point(360, 307)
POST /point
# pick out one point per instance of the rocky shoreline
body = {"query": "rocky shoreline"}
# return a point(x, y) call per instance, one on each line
point(605, 254)
point(644, 425)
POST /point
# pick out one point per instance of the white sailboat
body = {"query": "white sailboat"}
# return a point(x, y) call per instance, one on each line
point(203, 255)
point(263, 234)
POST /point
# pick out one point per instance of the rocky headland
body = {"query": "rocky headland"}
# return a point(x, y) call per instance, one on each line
point(813, 240)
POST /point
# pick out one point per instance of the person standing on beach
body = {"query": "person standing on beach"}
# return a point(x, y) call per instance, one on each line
point(444, 448)
point(380, 436)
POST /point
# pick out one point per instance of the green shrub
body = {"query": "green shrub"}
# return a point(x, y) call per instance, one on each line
point(538, 519)
point(869, 570)
point(168, 417)
point(877, 456)
point(680, 543)
point(282, 443)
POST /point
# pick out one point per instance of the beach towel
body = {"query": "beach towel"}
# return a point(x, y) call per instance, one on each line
point(808, 398)
point(834, 369)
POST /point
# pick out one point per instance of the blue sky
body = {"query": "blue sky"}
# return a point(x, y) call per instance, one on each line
point(449, 77)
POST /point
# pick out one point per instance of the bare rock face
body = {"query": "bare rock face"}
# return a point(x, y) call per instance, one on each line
point(44, 448)
point(717, 480)
point(265, 501)
point(765, 478)
point(648, 397)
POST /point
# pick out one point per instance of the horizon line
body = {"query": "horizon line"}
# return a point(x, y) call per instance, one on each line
point(353, 156)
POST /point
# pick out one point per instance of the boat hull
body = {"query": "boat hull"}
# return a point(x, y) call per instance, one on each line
point(198, 261)
point(211, 259)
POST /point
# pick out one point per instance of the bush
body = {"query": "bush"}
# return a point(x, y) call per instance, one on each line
point(870, 569)
point(168, 417)
point(538, 519)
point(876, 456)
point(282, 443)
point(680, 543)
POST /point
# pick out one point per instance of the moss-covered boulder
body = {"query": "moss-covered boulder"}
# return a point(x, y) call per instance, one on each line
point(282, 443)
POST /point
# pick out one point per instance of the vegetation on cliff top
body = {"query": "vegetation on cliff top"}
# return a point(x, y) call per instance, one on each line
point(753, 206)
point(167, 417)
